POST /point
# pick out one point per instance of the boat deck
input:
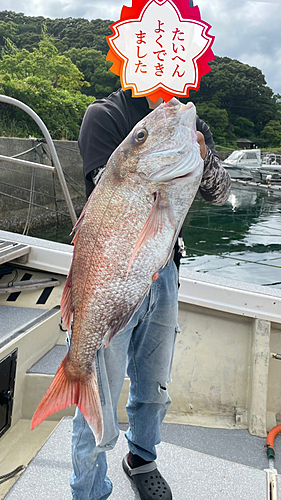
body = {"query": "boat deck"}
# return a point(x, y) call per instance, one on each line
point(191, 474)
point(211, 463)
point(215, 458)
point(235, 445)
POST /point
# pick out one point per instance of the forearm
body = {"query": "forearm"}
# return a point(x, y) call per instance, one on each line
point(216, 183)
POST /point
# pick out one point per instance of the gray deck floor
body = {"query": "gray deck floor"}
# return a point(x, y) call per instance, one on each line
point(234, 445)
point(15, 319)
point(49, 363)
point(195, 476)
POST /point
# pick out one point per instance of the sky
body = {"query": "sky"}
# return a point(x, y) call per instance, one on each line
point(247, 30)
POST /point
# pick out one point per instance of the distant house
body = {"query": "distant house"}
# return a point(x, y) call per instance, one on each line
point(245, 144)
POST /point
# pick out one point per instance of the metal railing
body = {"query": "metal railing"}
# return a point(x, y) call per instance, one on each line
point(57, 166)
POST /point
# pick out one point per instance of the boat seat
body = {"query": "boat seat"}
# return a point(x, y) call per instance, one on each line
point(10, 250)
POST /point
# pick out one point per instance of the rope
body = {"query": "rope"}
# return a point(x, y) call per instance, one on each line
point(31, 197)
point(234, 232)
point(27, 151)
point(233, 258)
point(11, 474)
point(35, 204)
point(25, 189)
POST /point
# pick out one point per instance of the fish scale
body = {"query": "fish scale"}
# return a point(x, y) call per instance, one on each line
point(114, 285)
point(125, 234)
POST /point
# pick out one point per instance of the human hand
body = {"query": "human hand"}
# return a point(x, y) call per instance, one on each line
point(203, 147)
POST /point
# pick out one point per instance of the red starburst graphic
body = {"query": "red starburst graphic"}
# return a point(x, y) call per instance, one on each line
point(160, 48)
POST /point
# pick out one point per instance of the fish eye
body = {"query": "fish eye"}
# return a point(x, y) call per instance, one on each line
point(141, 135)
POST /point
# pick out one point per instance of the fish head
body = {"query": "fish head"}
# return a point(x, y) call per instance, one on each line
point(163, 146)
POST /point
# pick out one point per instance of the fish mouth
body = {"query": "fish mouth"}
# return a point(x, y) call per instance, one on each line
point(177, 105)
point(169, 177)
point(173, 104)
point(170, 109)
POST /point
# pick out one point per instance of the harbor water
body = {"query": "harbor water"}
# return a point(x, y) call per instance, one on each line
point(239, 241)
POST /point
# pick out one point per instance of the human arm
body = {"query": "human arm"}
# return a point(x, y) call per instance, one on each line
point(216, 183)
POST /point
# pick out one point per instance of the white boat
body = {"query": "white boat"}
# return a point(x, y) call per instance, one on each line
point(250, 164)
point(270, 170)
point(226, 385)
point(240, 163)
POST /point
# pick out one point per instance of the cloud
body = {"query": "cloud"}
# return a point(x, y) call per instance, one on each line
point(247, 30)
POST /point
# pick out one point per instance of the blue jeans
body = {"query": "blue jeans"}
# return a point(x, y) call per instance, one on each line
point(145, 347)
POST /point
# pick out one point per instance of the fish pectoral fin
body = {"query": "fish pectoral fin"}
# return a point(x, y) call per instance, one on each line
point(63, 393)
point(161, 212)
point(119, 324)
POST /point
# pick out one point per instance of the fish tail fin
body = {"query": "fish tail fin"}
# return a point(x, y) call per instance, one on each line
point(63, 393)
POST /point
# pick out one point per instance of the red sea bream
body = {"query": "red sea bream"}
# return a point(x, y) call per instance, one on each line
point(125, 234)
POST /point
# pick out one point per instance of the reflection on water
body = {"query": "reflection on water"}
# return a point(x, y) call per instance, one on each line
point(240, 240)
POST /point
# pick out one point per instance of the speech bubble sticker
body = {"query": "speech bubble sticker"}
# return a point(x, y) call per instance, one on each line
point(160, 48)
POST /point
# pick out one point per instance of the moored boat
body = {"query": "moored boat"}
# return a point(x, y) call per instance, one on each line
point(250, 164)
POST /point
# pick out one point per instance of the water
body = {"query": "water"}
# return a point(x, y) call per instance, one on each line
point(241, 240)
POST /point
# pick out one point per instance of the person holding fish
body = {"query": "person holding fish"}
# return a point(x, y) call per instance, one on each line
point(143, 165)
point(147, 341)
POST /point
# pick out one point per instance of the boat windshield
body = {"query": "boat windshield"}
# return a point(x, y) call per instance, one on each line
point(234, 156)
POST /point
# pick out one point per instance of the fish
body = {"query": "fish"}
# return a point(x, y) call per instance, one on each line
point(125, 234)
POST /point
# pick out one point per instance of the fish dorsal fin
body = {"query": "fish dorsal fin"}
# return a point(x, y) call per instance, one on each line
point(66, 301)
point(161, 211)
point(79, 222)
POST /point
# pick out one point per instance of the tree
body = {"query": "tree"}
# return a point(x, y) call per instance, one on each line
point(25, 31)
point(48, 83)
point(217, 119)
point(43, 62)
point(278, 105)
point(240, 89)
point(61, 111)
point(243, 127)
point(95, 67)
point(8, 29)
point(271, 134)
